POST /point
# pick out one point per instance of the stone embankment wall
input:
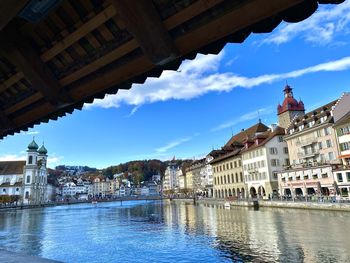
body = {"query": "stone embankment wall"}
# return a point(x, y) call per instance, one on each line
point(345, 207)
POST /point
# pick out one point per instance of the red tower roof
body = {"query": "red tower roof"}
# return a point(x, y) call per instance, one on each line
point(289, 103)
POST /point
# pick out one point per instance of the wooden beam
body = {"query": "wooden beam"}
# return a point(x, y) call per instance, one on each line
point(5, 123)
point(170, 23)
point(11, 81)
point(144, 23)
point(25, 59)
point(86, 28)
point(24, 103)
point(9, 9)
point(245, 15)
point(254, 11)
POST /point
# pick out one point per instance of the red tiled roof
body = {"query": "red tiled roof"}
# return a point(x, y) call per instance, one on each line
point(278, 131)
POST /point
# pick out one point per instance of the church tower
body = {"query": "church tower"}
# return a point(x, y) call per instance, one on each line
point(30, 172)
point(35, 175)
point(289, 109)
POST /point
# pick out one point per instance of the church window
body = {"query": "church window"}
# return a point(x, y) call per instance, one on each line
point(27, 195)
point(28, 179)
point(4, 190)
point(30, 161)
point(17, 189)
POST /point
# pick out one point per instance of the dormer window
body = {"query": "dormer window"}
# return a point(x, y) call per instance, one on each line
point(323, 119)
point(311, 124)
point(301, 127)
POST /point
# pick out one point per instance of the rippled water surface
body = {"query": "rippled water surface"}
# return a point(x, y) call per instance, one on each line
point(176, 232)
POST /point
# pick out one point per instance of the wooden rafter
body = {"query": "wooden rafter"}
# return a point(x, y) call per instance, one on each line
point(170, 23)
point(25, 59)
point(84, 29)
point(248, 14)
point(11, 81)
point(5, 122)
point(143, 22)
point(9, 9)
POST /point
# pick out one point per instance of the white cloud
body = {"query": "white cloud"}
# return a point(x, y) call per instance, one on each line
point(12, 157)
point(201, 76)
point(31, 133)
point(53, 160)
point(173, 144)
point(321, 28)
point(133, 111)
point(245, 117)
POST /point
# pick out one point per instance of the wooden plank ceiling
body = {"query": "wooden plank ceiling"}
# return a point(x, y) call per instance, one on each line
point(84, 49)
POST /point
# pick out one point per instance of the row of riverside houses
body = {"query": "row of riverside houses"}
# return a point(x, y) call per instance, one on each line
point(307, 154)
point(101, 188)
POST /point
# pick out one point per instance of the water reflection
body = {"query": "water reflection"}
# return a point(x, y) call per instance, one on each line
point(173, 231)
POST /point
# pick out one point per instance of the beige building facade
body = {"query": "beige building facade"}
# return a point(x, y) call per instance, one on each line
point(228, 176)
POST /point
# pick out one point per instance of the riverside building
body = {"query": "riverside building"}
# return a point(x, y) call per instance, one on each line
point(227, 164)
point(313, 151)
point(263, 156)
point(342, 129)
point(26, 179)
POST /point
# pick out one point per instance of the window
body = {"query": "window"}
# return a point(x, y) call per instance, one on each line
point(329, 143)
point(331, 156)
point(274, 162)
point(239, 163)
point(348, 176)
point(286, 162)
point(235, 164)
point(4, 190)
point(236, 177)
point(320, 145)
point(314, 176)
point(30, 161)
point(262, 163)
point(273, 150)
point(285, 149)
point(17, 189)
point(318, 133)
point(340, 177)
point(26, 195)
point(345, 146)
point(28, 179)
point(227, 166)
point(301, 127)
point(297, 178)
point(323, 119)
point(280, 138)
point(306, 177)
point(312, 123)
point(232, 179)
point(241, 176)
point(231, 165)
point(275, 175)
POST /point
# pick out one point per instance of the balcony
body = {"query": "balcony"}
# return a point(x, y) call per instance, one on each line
point(306, 142)
point(308, 154)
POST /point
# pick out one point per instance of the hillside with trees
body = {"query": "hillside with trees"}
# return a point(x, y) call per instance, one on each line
point(141, 170)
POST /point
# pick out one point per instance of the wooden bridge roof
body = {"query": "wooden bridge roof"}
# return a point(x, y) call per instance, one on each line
point(56, 55)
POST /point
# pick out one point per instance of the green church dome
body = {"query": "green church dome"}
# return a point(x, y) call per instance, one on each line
point(33, 146)
point(42, 150)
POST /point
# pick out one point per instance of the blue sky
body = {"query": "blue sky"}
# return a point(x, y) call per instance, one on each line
point(188, 112)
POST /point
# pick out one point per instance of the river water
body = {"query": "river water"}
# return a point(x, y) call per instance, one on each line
point(155, 231)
